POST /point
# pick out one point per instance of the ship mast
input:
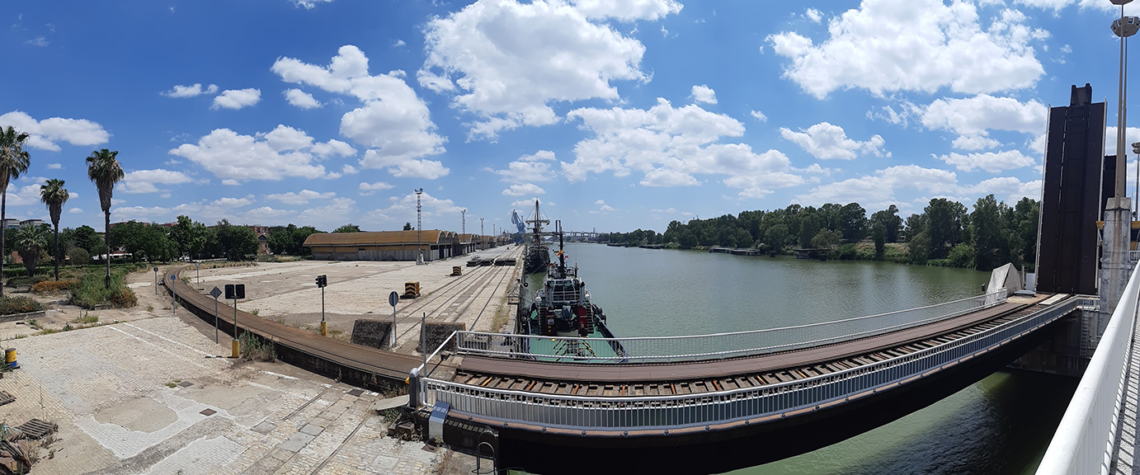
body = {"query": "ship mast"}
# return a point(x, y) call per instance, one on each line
point(561, 254)
point(538, 222)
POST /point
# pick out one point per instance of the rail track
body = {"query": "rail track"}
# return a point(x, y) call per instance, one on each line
point(848, 355)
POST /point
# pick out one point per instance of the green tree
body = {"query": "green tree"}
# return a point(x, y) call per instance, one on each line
point(1024, 231)
point(30, 242)
point(919, 247)
point(915, 224)
point(236, 241)
point(348, 228)
point(85, 237)
point(944, 223)
point(852, 221)
point(188, 236)
point(742, 238)
point(776, 236)
point(826, 239)
point(14, 161)
point(991, 245)
point(891, 222)
point(54, 195)
point(79, 256)
point(962, 255)
point(879, 234)
point(407, 227)
point(103, 169)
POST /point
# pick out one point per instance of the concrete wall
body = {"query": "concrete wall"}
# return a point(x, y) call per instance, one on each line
point(372, 333)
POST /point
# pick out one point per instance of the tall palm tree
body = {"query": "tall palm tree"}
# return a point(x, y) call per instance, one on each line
point(104, 170)
point(54, 195)
point(13, 161)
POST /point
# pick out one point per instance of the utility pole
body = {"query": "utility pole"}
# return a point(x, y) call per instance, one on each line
point(480, 229)
point(419, 227)
point(463, 212)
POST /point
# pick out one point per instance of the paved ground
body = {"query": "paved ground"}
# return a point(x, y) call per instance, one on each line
point(287, 292)
point(149, 396)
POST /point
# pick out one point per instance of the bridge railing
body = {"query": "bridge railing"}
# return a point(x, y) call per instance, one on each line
point(714, 346)
point(1086, 436)
point(670, 413)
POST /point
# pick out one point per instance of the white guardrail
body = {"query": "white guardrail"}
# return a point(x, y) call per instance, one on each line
point(714, 346)
point(626, 413)
point(1086, 436)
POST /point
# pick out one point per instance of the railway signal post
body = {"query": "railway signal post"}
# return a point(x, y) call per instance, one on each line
point(322, 282)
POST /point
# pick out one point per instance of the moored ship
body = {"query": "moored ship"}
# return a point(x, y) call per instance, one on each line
point(537, 250)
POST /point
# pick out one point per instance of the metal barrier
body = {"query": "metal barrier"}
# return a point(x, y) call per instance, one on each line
point(1086, 436)
point(666, 413)
point(716, 346)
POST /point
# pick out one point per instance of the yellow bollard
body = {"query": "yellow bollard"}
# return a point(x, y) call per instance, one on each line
point(324, 329)
point(236, 346)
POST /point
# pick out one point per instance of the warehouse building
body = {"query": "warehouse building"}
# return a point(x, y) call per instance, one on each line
point(385, 246)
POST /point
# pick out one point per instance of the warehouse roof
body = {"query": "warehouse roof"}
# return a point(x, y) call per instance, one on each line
point(433, 236)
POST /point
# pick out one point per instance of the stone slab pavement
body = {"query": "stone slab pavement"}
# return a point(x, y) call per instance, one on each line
point(152, 396)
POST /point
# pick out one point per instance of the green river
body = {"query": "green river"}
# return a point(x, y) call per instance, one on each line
point(999, 425)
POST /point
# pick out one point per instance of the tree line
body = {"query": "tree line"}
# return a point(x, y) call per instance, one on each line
point(945, 233)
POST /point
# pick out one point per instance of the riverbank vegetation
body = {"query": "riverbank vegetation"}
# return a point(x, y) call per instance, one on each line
point(945, 233)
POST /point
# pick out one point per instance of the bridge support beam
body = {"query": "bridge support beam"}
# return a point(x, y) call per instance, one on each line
point(1061, 351)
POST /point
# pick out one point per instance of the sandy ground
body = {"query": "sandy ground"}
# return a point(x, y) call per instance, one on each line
point(287, 292)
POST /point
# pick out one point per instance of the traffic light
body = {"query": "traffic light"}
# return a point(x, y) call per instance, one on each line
point(235, 292)
point(322, 281)
point(1136, 148)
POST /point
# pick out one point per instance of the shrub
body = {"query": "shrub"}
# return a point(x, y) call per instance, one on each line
point(79, 257)
point(962, 255)
point(51, 286)
point(11, 305)
point(254, 348)
point(847, 252)
point(89, 292)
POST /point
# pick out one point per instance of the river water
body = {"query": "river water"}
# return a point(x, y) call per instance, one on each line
point(999, 425)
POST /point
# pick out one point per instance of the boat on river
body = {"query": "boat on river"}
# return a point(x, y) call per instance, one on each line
point(537, 250)
point(562, 307)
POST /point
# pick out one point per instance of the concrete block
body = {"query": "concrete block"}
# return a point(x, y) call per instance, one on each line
point(297, 442)
point(312, 430)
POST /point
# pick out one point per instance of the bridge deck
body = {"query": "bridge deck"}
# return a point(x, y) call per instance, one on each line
point(707, 376)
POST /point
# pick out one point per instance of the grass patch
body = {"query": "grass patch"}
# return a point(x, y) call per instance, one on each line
point(255, 312)
point(171, 385)
point(256, 349)
point(10, 305)
point(89, 292)
point(49, 286)
point(86, 319)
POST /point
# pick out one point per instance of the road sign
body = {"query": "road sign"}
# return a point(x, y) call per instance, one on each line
point(393, 299)
point(156, 268)
point(235, 291)
point(216, 292)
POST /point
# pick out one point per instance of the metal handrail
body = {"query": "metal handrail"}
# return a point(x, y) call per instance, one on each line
point(618, 413)
point(1086, 436)
point(724, 345)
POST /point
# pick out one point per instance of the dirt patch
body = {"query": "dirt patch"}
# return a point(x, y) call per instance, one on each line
point(143, 414)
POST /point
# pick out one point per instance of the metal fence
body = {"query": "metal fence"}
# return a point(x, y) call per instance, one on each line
point(715, 346)
point(697, 410)
point(1086, 436)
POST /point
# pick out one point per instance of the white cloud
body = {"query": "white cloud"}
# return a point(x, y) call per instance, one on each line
point(826, 142)
point(814, 15)
point(759, 116)
point(398, 44)
point(1130, 138)
point(237, 98)
point(527, 203)
point(190, 91)
point(144, 181)
point(301, 99)
point(530, 168)
point(523, 190)
point(333, 147)
point(231, 182)
point(349, 170)
point(507, 60)
point(38, 41)
point(300, 197)
point(876, 189)
point(1057, 5)
point(369, 189)
point(1010, 188)
point(403, 209)
point(627, 10)
point(283, 152)
point(670, 145)
point(972, 118)
point(205, 211)
point(915, 45)
point(75, 211)
point(704, 94)
point(992, 162)
point(309, 4)
point(54, 166)
point(43, 134)
point(392, 119)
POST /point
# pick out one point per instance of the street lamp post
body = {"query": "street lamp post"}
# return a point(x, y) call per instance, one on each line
point(419, 228)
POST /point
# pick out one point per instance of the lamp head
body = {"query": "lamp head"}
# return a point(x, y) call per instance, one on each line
point(1120, 2)
point(1125, 26)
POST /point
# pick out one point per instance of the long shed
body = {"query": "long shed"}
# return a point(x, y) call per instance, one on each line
point(385, 245)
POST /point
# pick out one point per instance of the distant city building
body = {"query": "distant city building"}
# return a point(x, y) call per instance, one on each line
point(262, 233)
point(11, 223)
point(31, 222)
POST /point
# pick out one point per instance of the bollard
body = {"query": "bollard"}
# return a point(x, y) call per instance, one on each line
point(236, 349)
point(324, 329)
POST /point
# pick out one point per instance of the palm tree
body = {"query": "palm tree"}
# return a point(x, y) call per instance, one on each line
point(104, 170)
point(54, 196)
point(30, 241)
point(13, 161)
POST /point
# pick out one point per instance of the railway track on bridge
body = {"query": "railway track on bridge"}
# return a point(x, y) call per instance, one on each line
point(738, 373)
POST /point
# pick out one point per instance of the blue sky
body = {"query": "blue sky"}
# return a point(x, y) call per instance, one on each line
point(616, 114)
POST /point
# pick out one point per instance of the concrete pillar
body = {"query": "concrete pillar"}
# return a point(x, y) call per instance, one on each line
point(1115, 261)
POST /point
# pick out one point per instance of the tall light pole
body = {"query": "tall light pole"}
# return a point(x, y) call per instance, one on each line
point(1115, 261)
point(419, 227)
point(463, 213)
point(481, 229)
